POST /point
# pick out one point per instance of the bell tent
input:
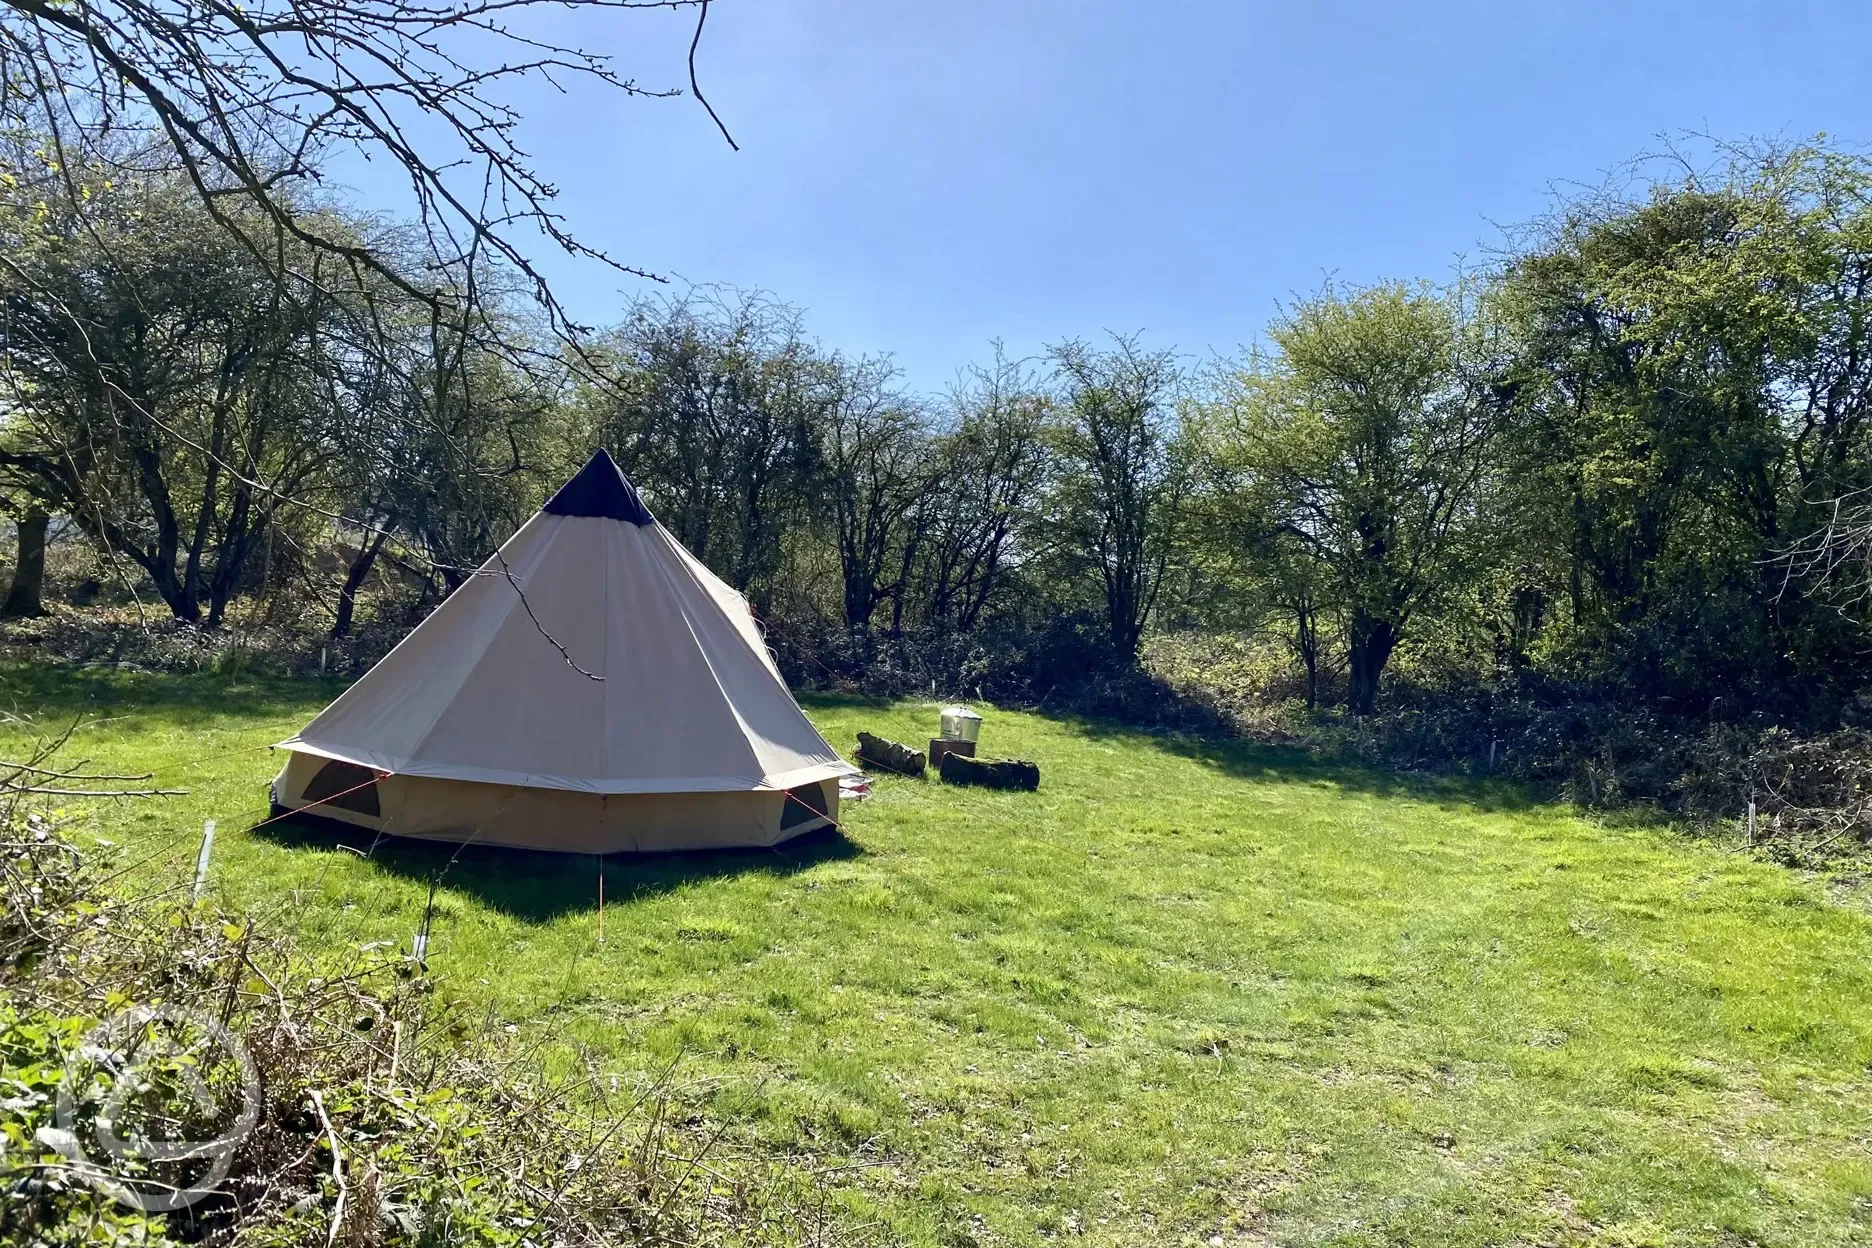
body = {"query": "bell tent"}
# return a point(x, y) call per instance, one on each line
point(592, 688)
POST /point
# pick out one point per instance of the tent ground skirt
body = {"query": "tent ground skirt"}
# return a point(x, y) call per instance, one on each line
point(550, 819)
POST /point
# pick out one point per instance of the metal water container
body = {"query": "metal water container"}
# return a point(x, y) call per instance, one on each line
point(960, 724)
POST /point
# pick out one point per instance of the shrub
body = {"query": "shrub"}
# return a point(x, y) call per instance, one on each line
point(385, 1115)
point(1581, 740)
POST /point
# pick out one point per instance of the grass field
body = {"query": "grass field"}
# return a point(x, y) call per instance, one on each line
point(1185, 991)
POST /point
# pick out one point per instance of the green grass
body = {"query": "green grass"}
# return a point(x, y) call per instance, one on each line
point(1185, 990)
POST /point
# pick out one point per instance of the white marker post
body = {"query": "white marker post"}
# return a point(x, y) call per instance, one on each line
point(201, 859)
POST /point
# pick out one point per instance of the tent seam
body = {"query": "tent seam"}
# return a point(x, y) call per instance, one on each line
point(495, 632)
point(773, 675)
point(709, 664)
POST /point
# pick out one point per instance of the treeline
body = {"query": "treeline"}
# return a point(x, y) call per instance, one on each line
point(1627, 460)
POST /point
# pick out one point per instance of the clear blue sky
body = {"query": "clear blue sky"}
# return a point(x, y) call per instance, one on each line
point(923, 177)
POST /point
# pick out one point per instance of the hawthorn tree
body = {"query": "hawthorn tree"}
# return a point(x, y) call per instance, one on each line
point(1358, 450)
point(1116, 497)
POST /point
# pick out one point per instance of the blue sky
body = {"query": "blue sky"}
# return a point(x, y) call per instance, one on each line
point(924, 177)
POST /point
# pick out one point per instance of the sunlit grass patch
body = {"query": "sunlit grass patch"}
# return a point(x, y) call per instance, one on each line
point(1186, 989)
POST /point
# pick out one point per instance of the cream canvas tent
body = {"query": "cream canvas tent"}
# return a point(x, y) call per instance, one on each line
point(593, 688)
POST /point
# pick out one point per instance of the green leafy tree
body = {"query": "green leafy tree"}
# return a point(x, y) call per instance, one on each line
point(1115, 499)
point(458, 448)
point(993, 465)
point(1353, 458)
point(1697, 376)
point(161, 391)
point(878, 477)
point(716, 402)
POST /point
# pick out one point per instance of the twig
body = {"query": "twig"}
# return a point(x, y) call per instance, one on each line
point(695, 87)
point(337, 1217)
point(70, 775)
point(48, 792)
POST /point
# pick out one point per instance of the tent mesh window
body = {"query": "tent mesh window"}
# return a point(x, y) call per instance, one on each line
point(335, 778)
point(803, 805)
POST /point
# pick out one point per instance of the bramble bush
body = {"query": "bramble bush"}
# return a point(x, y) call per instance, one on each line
point(387, 1114)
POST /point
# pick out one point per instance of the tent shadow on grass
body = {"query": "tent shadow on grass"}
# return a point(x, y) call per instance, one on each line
point(538, 886)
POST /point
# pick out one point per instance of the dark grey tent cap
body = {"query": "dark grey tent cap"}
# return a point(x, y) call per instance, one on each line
point(599, 489)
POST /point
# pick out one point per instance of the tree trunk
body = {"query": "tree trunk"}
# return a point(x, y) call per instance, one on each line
point(182, 604)
point(1371, 644)
point(861, 596)
point(29, 575)
point(354, 580)
point(1126, 640)
point(1122, 616)
point(1530, 613)
point(1306, 641)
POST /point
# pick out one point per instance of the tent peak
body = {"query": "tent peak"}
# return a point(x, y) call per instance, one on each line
point(600, 489)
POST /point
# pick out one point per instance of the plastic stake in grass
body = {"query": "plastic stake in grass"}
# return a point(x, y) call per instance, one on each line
point(201, 859)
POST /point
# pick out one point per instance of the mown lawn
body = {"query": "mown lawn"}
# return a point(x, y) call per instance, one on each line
point(1188, 990)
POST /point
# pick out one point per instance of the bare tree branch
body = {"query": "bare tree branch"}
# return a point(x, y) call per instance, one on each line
point(251, 99)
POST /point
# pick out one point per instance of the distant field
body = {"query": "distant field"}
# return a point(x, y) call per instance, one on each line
point(1185, 991)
